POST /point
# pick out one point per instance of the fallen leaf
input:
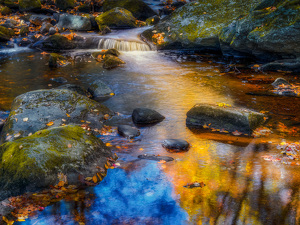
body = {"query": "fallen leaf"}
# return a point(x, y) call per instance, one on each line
point(25, 119)
point(50, 124)
point(95, 179)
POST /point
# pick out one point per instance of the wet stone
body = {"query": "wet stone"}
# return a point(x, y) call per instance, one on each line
point(176, 145)
point(155, 157)
point(128, 131)
point(76, 88)
point(280, 81)
point(146, 116)
point(60, 80)
point(100, 91)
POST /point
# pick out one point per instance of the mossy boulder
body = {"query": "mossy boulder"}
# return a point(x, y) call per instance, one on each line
point(6, 34)
point(28, 5)
point(55, 43)
point(116, 18)
point(53, 59)
point(197, 24)
point(65, 4)
point(37, 110)
point(5, 11)
point(33, 163)
point(73, 22)
point(271, 31)
point(224, 118)
point(111, 61)
point(24, 30)
point(138, 8)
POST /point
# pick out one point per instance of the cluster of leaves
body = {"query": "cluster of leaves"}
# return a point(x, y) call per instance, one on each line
point(158, 38)
point(284, 89)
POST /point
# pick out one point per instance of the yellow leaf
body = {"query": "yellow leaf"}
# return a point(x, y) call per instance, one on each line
point(68, 115)
point(61, 183)
point(50, 124)
point(95, 179)
point(88, 178)
point(99, 176)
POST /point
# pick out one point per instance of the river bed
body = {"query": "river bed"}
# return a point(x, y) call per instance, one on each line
point(240, 186)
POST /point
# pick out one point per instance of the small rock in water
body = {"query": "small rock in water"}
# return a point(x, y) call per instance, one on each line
point(280, 81)
point(128, 131)
point(100, 91)
point(156, 157)
point(194, 185)
point(60, 80)
point(146, 116)
point(176, 145)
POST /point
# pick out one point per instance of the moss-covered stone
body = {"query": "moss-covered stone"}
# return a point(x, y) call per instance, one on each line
point(24, 30)
point(116, 18)
point(111, 61)
point(6, 34)
point(152, 20)
point(5, 11)
point(32, 163)
point(34, 111)
point(138, 8)
point(54, 57)
point(270, 31)
point(27, 5)
point(56, 43)
point(197, 24)
point(229, 119)
point(65, 4)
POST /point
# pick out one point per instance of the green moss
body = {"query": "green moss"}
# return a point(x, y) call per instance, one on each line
point(25, 5)
point(5, 11)
point(5, 33)
point(116, 17)
point(65, 4)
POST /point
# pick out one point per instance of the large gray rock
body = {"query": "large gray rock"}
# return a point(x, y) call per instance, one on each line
point(271, 31)
point(73, 22)
point(197, 24)
point(226, 119)
point(36, 110)
point(33, 163)
point(138, 8)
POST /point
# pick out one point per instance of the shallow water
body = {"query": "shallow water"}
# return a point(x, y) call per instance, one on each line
point(241, 188)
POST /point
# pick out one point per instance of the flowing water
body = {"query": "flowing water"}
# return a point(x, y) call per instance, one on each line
point(241, 188)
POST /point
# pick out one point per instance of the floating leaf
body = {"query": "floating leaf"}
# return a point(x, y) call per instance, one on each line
point(50, 124)
point(95, 179)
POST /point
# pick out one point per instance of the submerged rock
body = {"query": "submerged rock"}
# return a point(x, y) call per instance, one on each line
point(60, 80)
point(224, 119)
point(146, 116)
point(176, 145)
point(156, 157)
point(128, 131)
point(37, 110)
point(54, 57)
point(100, 91)
point(111, 61)
point(116, 18)
point(138, 8)
point(33, 163)
point(197, 24)
point(73, 22)
point(270, 31)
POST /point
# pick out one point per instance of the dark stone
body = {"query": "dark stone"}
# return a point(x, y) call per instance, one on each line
point(60, 80)
point(85, 8)
point(52, 30)
point(24, 30)
point(111, 61)
point(45, 27)
point(6, 34)
point(176, 145)
point(5, 11)
point(1, 124)
point(100, 91)
point(292, 65)
point(29, 5)
point(33, 163)
point(33, 110)
point(73, 22)
point(55, 43)
point(229, 119)
point(128, 131)
point(155, 157)
point(152, 20)
point(76, 88)
point(65, 4)
point(146, 116)
point(38, 19)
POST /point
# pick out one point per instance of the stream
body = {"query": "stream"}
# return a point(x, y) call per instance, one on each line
point(240, 186)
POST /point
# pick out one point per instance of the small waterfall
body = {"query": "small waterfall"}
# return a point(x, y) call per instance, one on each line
point(122, 45)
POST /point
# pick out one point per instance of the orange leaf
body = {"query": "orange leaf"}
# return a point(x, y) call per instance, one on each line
point(50, 124)
point(95, 179)
point(68, 115)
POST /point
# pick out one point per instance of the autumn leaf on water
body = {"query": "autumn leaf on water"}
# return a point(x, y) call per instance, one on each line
point(8, 222)
point(195, 185)
point(50, 124)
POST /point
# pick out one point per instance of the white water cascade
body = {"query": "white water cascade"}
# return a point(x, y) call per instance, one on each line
point(123, 45)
